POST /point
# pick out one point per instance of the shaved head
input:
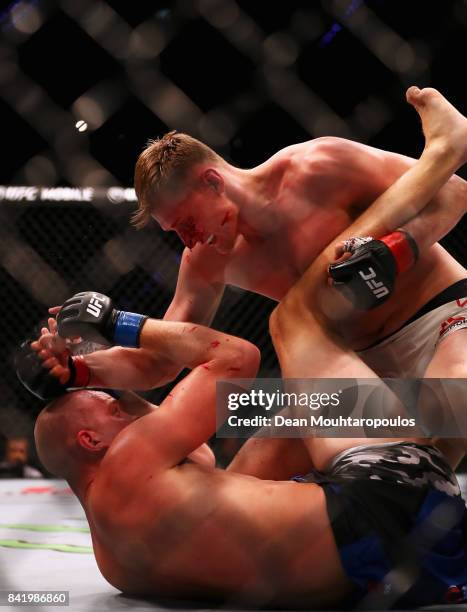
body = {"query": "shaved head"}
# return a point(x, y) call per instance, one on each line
point(58, 426)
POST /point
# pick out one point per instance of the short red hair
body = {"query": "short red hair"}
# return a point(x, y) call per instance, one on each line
point(166, 162)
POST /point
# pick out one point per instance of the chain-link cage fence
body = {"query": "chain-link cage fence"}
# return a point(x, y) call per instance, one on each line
point(85, 84)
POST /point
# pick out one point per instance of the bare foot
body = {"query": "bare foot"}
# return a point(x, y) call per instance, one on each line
point(443, 125)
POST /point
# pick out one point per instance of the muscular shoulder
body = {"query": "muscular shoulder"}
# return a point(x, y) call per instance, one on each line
point(129, 457)
point(331, 153)
point(332, 165)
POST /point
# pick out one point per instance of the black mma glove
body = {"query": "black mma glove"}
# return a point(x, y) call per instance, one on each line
point(40, 382)
point(367, 278)
point(92, 316)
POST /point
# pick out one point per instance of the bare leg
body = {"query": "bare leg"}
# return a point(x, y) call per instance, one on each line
point(304, 339)
point(272, 458)
point(450, 361)
point(445, 151)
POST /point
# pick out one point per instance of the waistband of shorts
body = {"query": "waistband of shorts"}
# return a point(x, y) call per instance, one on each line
point(455, 291)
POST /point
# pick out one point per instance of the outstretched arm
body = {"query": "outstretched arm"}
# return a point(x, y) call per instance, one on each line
point(200, 286)
point(105, 367)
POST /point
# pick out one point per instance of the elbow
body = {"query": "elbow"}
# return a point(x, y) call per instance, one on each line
point(159, 374)
point(284, 326)
point(248, 359)
point(276, 322)
point(330, 145)
point(241, 360)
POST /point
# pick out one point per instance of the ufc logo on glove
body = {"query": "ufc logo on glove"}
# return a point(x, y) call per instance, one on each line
point(377, 287)
point(94, 307)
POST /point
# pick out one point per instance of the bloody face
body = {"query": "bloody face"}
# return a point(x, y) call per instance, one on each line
point(200, 217)
point(189, 231)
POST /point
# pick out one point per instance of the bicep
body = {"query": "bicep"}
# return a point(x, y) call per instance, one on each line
point(185, 420)
point(188, 416)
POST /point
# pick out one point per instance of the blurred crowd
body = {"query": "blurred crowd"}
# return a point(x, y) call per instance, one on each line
point(16, 458)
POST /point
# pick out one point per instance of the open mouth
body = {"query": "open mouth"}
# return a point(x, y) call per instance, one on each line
point(211, 240)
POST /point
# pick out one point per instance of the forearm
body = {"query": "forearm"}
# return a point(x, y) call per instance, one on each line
point(187, 345)
point(200, 308)
point(125, 368)
point(166, 347)
point(422, 192)
point(200, 286)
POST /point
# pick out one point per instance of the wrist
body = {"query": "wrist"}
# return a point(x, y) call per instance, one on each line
point(403, 248)
point(127, 328)
point(80, 374)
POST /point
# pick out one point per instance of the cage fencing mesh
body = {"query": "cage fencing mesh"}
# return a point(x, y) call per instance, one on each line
point(244, 80)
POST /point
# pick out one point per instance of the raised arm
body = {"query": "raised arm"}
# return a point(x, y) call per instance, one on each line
point(113, 368)
point(186, 419)
point(170, 343)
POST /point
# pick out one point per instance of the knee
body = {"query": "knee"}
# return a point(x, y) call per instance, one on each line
point(274, 321)
point(283, 317)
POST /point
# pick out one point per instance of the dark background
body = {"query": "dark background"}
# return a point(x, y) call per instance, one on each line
point(248, 78)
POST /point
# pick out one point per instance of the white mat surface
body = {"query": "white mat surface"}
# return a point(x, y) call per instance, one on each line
point(45, 545)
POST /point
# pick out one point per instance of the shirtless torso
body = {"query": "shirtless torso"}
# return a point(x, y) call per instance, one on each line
point(316, 190)
point(195, 532)
point(165, 526)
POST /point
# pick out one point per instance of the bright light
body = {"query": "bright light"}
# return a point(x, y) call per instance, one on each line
point(81, 126)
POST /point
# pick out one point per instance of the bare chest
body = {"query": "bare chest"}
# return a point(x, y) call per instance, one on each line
point(172, 551)
point(267, 268)
point(272, 266)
